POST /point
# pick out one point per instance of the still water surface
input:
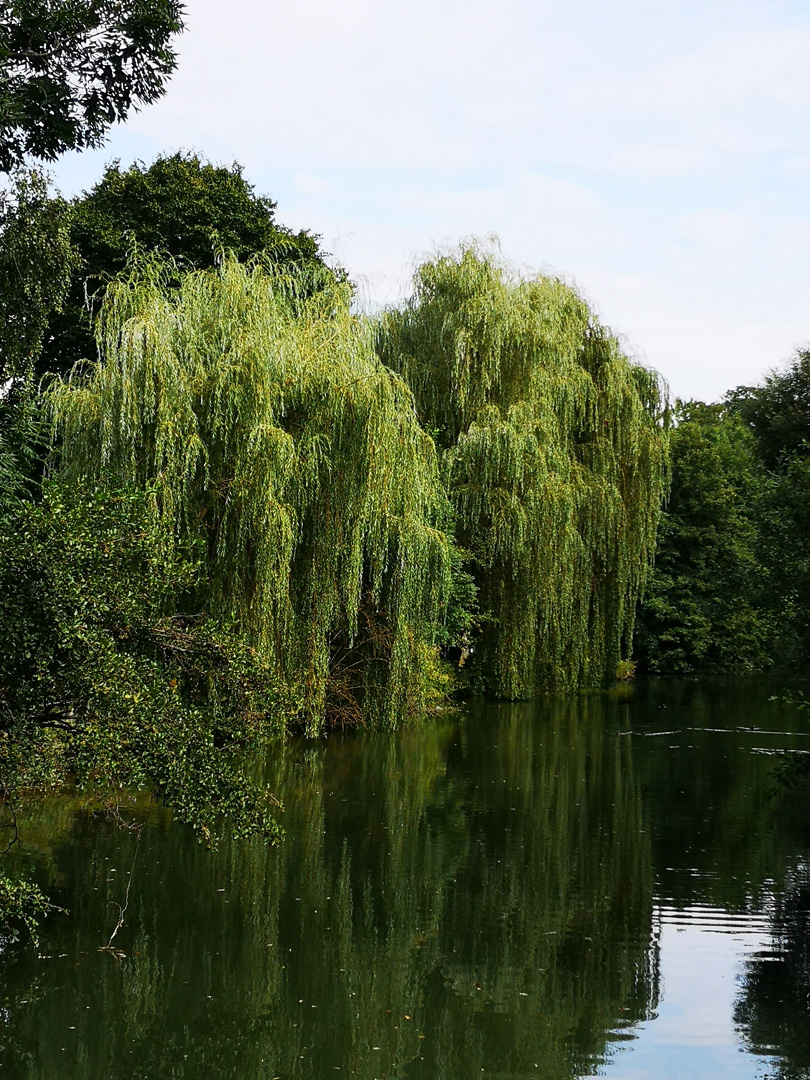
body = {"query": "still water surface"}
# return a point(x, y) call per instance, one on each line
point(598, 886)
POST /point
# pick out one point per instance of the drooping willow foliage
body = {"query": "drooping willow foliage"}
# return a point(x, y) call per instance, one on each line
point(271, 433)
point(555, 454)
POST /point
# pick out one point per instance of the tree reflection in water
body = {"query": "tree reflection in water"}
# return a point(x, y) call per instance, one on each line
point(471, 895)
point(772, 1011)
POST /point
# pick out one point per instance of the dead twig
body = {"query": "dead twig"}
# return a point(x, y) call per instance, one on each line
point(122, 908)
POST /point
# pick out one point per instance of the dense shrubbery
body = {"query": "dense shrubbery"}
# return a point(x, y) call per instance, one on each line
point(110, 680)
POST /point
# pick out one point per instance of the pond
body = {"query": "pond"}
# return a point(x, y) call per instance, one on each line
point(603, 885)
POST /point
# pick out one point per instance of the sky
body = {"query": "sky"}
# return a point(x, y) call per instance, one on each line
point(656, 155)
point(703, 954)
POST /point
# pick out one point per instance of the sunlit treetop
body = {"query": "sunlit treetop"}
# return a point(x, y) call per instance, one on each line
point(180, 205)
point(255, 408)
point(555, 455)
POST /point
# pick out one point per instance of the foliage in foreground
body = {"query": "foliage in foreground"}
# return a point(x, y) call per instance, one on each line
point(555, 458)
point(22, 903)
point(108, 682)
point(69, 69)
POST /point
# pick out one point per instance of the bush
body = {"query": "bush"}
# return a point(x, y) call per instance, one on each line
point(107, 681)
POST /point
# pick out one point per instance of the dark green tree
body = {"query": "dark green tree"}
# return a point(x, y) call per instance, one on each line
point(71, 68)
point(703, 606)
point(784, 547)
point(778, 411)
point(778, 415)
point(179, 205)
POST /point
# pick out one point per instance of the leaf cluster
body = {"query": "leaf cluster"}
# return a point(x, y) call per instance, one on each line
point(21, 903)
point(71, 68)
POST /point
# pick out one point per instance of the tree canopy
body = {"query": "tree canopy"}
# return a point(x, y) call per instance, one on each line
point(778, 411)
point(71, 68)
point(272, 434)
point(703, 609)
point(731, 587)
point(185, 207)
point(555, 456)
point(179, 205)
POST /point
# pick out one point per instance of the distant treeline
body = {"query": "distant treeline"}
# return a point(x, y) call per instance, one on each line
point(731, 586)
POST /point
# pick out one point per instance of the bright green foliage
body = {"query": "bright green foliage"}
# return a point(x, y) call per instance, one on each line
point(180, 205)
point(267, 427)
point(21, 901)
point(108, 682)
point(36, 262)
point(704, 606)
point(555, 453)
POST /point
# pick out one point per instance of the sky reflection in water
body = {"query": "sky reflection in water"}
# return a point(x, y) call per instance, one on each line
point(693, 1033)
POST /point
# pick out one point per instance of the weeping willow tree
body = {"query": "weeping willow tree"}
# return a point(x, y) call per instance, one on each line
point(271, 434)
point(555, 455)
